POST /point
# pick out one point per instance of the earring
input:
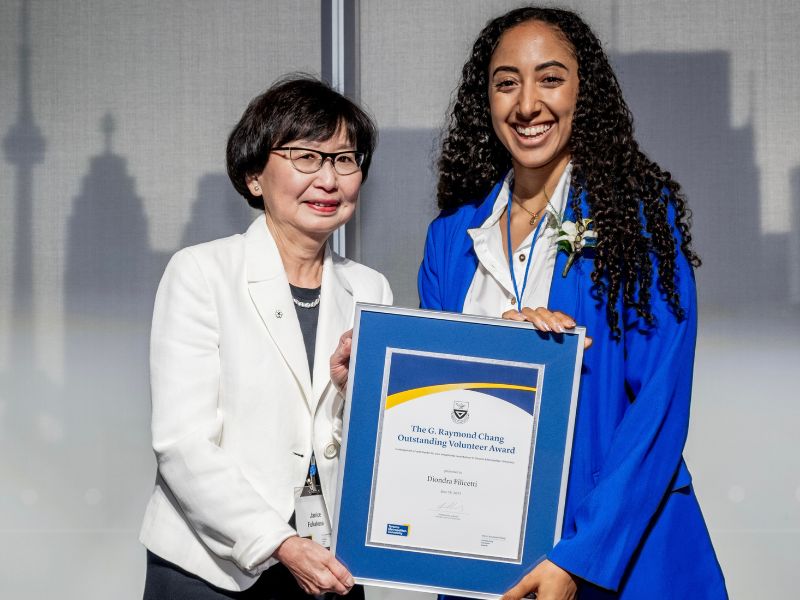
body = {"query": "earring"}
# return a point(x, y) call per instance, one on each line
point(257, 187)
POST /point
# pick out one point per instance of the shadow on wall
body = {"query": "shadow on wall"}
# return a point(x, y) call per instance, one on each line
point(70, 447)
point(794, 240)
point(217, 212)
point(397, 204)
point(683, 120)
point(29, 404)
point(110, 282)
point(24, 147)
point(111, 268)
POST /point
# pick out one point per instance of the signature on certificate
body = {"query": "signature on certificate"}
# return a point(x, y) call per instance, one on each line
point(449, 507)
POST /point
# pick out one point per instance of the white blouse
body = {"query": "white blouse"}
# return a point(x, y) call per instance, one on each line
point(491, 292)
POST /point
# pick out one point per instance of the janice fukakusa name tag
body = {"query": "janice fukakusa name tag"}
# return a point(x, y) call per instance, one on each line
point(311, 517)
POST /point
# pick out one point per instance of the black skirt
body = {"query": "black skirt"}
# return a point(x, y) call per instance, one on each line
point(167, 581)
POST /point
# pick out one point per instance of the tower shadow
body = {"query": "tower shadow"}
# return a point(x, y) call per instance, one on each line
point(111, 275)
point(111, 270)
point(31, 415)
point(218, 211)
point(24, 146)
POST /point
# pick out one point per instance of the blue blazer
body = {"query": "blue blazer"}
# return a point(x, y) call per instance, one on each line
point(632, 525)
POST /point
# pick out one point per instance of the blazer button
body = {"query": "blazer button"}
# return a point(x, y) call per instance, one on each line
point(331, 450)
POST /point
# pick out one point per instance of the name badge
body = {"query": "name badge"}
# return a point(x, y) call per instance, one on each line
point(311, 517)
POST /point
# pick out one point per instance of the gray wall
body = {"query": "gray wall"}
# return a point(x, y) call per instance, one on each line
point(114, 125)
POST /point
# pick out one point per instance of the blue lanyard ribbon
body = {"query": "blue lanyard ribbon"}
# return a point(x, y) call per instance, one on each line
point(517, 293)
point(312, 473)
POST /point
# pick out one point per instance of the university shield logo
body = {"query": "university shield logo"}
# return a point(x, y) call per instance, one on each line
point(460, 411)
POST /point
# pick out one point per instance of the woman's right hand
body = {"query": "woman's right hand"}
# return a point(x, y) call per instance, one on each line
point(547, 581)
point(314, 567)
point(340, 361)
point(551, 321)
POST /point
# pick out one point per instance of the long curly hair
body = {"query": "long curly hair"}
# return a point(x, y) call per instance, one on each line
point(627, 193)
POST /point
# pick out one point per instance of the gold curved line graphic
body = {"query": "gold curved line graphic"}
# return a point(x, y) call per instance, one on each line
point(400, 397)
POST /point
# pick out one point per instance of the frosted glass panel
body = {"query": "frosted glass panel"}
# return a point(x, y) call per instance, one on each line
point(114, 123)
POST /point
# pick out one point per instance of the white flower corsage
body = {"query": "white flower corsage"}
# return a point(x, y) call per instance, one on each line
point(571, 238)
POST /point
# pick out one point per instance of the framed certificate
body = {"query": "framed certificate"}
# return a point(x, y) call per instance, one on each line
point(455, 452)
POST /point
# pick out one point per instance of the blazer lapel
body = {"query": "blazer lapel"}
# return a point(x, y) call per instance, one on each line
point(465, 257)
point(269, 291)
point(566, 290)
point(335, 317)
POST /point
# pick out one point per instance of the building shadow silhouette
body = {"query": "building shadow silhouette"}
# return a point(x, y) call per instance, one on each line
point(31, 423)
point(218, 211)
point(794, 239)
point(110, 278)
point(682, 107)
point(111, 269)
point(683, 120)
point(397, 203)
point(111, 275)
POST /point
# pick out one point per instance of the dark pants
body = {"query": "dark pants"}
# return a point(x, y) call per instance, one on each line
point(166, 581)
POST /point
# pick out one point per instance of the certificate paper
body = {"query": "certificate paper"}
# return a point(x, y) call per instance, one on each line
point(455, 452)
point(462, 446)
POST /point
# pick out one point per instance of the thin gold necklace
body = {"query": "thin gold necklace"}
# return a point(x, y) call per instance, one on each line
point(535, 214)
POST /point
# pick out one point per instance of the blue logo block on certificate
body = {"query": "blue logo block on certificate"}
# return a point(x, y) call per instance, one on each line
point(401, 530)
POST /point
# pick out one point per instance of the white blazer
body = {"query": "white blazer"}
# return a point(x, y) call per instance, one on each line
point(235, 413)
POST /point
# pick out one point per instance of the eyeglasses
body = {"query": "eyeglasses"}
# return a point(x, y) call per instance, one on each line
point(311, 161)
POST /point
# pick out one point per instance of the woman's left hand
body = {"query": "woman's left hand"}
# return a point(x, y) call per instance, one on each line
point(548, 581)
point(553, 321)
point(314, 567)
point(340, 361)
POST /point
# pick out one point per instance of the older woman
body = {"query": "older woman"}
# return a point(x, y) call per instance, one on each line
point(540, 159)
point(244, 414)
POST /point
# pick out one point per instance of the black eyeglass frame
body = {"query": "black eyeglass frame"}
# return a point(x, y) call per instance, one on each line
point(359, 157)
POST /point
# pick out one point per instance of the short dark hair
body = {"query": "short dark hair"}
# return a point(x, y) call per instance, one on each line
point(297, 106)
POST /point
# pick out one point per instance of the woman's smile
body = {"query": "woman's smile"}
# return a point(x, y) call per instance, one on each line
point(534, 133)
point(324, 207)
point(533, 91)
